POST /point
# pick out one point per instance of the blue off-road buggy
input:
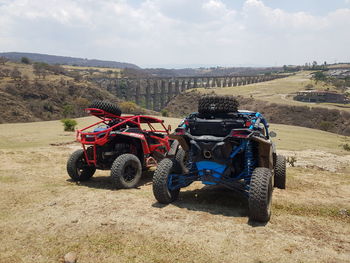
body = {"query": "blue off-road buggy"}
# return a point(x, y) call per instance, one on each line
point(221, 145)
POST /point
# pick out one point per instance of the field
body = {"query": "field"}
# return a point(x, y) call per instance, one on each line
point(281, 91)
point(44, 215)
point(91, 68)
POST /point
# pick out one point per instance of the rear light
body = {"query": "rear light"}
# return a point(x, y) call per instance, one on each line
point(247, 124)
point(180, 131)
point(240, 133)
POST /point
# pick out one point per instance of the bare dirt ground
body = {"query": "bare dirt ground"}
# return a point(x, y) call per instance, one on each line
point(44, 215)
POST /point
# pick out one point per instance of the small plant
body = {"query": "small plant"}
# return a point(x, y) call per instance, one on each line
point(346, 147)
point(326, 125)
point(129, 107)
point(69, 124)
point(309, 86)
point(291, 160)
point(165, 113)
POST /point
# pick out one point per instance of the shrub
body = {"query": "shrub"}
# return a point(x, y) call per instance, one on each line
point(80, 105)
point(25, 60)
point(325, 125)
point(130, 107)
point(164, 113)
point(309, 86)
point(346, 147)
point(69, 124)
point(291, 160)
point(67, 110)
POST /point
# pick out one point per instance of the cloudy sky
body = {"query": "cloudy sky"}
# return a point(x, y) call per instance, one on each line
point(175, 33)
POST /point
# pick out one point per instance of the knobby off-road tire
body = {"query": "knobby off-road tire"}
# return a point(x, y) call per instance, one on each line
point(217, 104)
point(106, 106)
point(160, 181)
point(77, 167)
point(180, 155)
point(182, 159)
point(280, 172)
point(260, 195)
point(126, 171)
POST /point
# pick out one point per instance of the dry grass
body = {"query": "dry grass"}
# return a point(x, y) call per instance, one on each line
point(38, 134)
point(335, 66)
point(92, 68)
point(280, 90)
point(43, 215)
point(27, 69)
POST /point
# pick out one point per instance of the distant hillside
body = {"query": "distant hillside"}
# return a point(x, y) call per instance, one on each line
point(213, 71)
point(51, 59)
point(28, 96)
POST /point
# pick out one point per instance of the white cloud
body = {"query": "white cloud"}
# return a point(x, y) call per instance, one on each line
point(174, 31)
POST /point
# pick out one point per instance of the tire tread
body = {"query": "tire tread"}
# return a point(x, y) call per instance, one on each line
point(258, 200)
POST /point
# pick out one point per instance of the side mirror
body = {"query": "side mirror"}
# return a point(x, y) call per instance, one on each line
point(169, 128)
point(272, 134)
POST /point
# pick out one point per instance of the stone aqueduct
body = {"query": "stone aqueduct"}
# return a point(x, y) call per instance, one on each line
point(155, 93)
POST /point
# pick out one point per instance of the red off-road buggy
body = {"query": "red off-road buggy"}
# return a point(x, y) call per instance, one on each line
point(124, 144)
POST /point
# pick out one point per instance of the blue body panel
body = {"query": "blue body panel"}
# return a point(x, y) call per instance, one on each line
point(215, 169)
point(100, 129)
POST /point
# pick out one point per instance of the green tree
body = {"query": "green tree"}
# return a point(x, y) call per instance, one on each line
point(67, 110)
point(319, 76)
point(40, 69)
point(25, 60)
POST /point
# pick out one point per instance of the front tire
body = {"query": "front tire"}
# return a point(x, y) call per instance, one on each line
point(126, 171)
point(280, 172)
point(260, 195)
point(77, 167)
point(160, 181)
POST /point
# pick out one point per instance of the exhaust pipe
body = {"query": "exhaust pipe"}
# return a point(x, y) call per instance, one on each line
point(207, 154)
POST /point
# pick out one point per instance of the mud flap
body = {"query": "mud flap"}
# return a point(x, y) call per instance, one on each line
point(173, 149)
point(265, 152)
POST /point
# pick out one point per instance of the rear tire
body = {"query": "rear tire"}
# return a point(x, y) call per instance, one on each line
point(126, 171)
point(260, 195)
point(160, 181)
point(77, 167)
point(106, 106)
point(182, 158)
point(280, 172)
point(217, 104)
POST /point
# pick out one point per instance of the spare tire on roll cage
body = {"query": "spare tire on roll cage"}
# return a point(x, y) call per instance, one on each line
point(213, 104)
point(106, 106)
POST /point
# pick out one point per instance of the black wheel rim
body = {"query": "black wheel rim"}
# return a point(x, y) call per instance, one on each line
point(81, 166)
point(130, 171)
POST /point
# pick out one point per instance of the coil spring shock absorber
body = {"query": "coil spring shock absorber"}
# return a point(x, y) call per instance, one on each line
point(249, 160)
